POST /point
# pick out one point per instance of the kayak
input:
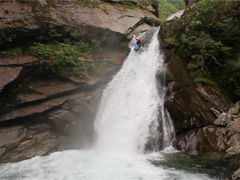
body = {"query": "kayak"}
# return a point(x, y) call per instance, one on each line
point(137, 46)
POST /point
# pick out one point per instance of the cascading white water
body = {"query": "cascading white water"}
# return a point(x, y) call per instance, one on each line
point(132, 105)
point(131, 116)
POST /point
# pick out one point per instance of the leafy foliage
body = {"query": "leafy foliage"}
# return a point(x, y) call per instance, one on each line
point(61, 56)
point(208, 36)
point(12, 52)
point(178, 4)
point(168, 7)
point(64, 58)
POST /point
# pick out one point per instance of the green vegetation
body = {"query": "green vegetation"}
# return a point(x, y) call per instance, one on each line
point(63, 57)
point(12, 52)
point(168, 7)
point(87, 3)
point(208, 36)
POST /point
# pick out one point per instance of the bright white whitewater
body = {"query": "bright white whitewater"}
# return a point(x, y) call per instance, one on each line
point(131, 104)
point(131, 120)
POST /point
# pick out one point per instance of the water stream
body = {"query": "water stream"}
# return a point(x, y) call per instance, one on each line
point(132, 105)
point(131, 119)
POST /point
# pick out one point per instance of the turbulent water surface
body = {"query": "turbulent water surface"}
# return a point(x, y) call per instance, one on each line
point(127, 122)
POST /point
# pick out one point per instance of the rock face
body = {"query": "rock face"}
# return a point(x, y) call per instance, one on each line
point(235, 176)
point(203, 121)
point(42, 112)
point(230, 121)
point(8, 74)
point(68, 126)
point(188, 109)
point(77, 18)
point(201, 118)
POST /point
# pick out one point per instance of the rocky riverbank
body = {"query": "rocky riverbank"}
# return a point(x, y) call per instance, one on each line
point(199, 102)
point(45, 109)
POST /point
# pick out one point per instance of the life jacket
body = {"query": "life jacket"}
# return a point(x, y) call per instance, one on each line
point(139, 41)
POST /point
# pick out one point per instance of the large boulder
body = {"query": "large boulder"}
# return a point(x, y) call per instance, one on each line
point(80, 19)
point(46, 113)
point(69, 125)
point(223, 136)
point(201, 141)
point(231, 122)
point(235, 176)
point(198, 113)
point(186, 106)
point(8, 75)
point(213, 97)
point(19, 142)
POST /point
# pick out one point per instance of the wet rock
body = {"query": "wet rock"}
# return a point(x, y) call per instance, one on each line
point(223, 136)
point(32, 109)
point(9, 134)
point(30, 97)
point(25, 141)
point(233, 145)
point(213, 97)
point(76, 118)
point(75, 17)
point(176, 70)
point(38, 92)
point(187, 108)
point(192, 107)
point(59, 116)
point(24, 60)
point(8, 74)
point(67, 126)
point(199, 114)
point(175, 15)
point(51, 86)
point(76, 79)
point(233, 127)
point(197, 141)
point(235, 110)
point(141, 26)
point(223, 119)
point(43, 89)
point(230, 120)
point(202, 140)
point(235, 176)
point(216, 112)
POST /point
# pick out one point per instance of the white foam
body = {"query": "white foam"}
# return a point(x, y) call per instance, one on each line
point(92, 165)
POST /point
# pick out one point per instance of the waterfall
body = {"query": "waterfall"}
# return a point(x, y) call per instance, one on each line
point(131, 119)
point(132, 115)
